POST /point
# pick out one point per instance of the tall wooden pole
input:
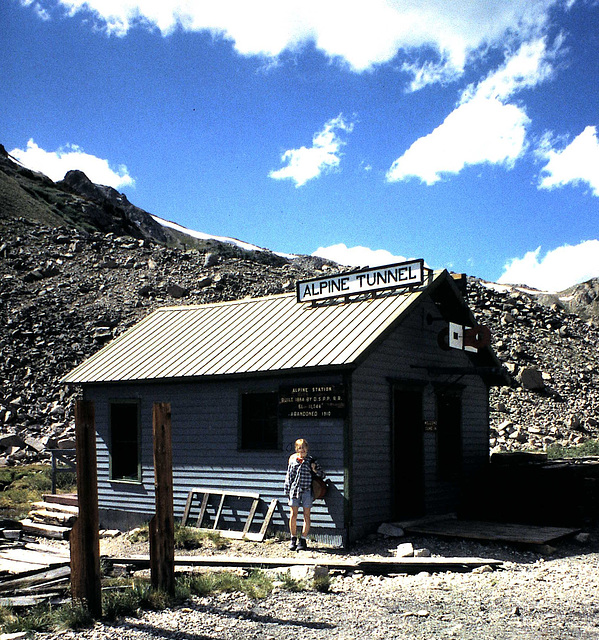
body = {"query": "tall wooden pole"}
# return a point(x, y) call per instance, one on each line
point(162, 525)
point(85, 536)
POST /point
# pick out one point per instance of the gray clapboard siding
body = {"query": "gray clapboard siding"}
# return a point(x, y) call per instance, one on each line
point(413, 342)
point(205, 436)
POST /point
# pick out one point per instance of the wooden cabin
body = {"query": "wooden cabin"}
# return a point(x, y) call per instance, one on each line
point(397, 418)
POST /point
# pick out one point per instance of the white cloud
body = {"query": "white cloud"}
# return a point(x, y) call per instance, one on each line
point(483, 128)
point(576, 163)
point(557, 270)
point(478, 131)
point(324, 155)
point(38, 8)
point(362, 34)
point(357, 256)
point(55, 164)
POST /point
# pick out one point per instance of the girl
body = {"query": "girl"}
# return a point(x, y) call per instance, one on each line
point(298, 488)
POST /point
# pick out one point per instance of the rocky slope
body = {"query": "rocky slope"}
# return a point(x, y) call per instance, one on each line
point(553, 357)
point(79, 264)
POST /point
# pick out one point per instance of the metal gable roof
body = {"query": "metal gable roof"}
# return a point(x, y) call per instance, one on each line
point(253, 335)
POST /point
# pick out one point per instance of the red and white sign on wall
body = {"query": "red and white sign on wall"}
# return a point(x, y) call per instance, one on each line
point(468, 338)
point(392, 276)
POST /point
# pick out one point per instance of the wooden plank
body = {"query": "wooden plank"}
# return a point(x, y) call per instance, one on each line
point(219, 511)
point(52, 517)
point(370, 565)
point(62, 498)
point(37, 578)
point(162, 529)
point(45, 530)
point(29, 601)
point(268, 517)
point(202, 508)
point(56, 506)
point(85, 537)
point(251, 515)
point(20, 560)
point(491, 531)
point(187, 509)
point(226, 492)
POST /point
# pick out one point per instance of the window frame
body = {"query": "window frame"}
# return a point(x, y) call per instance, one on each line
point(112, 441)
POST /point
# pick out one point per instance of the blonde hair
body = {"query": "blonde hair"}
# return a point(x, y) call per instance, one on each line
point(301, 442)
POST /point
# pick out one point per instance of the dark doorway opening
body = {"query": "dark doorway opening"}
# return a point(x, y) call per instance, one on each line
point(449, 434)
point(408, 452)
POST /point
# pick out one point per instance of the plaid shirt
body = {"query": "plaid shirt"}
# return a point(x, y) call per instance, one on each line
point(299, 476)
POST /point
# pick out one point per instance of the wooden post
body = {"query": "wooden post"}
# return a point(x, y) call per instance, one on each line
point(162, 525)
point(85, 536)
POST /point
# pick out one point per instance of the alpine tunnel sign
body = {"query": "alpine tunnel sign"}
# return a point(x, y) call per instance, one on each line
point(392, 276)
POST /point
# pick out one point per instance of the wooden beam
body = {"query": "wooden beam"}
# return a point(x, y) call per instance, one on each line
point(162, 525)
point(368, 565)
point(85, 537)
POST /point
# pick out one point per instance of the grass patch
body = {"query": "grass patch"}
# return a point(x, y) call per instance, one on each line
point(23, 485)
point(292, 584)
point(589, 448)
point(256, 585)
point(192, 538)
point(128, 598)
point(186, 538)
point(43, 617)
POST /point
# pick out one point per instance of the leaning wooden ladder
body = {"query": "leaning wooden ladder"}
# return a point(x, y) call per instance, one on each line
point(228, 533)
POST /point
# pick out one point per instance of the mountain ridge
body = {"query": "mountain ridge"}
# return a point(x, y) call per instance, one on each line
point(79, 264)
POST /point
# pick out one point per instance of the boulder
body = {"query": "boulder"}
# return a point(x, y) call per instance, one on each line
point(531, 378)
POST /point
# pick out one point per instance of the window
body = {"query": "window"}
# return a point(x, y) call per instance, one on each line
point(124, 441)
point(259, 422)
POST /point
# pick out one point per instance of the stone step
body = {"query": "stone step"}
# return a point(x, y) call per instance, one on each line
point(52, 517)
point(56, 507)
point(45, 530)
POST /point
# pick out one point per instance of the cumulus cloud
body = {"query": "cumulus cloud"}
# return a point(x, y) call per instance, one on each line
point(576, 163)
point(307, 163)
point(357, 256)
point(55, 164)
point(361, 34)
point(484, 127)
point(557, 269)
point(478, 131)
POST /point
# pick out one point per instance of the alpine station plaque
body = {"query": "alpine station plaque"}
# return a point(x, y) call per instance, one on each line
point(392, 276)
point(313, 401)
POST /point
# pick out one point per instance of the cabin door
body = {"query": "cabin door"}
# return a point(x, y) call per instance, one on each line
point(449, 434)
point(408, 452)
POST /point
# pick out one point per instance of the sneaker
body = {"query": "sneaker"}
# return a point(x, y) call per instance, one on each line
point(302, 545)
point(293, 544)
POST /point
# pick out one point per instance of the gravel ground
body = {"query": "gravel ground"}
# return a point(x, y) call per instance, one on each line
point(537, 594)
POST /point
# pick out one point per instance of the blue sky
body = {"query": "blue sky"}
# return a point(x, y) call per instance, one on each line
point(364, 131)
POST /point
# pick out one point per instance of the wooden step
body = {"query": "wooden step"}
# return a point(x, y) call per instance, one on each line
point(52, 517)
point(57, 507)
point(45, 530)
point(62, 498)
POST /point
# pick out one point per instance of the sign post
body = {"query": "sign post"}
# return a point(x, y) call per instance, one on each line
point(392, 276)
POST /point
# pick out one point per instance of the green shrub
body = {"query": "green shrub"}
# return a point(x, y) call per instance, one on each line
point(292, 584)
point(588, 448)
point(256, 585)
point(193, 538)
point(139, 534)
point(23, 485)
point(322, 583)
point(38, 618)
point(73, 616)
point(120, 603)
